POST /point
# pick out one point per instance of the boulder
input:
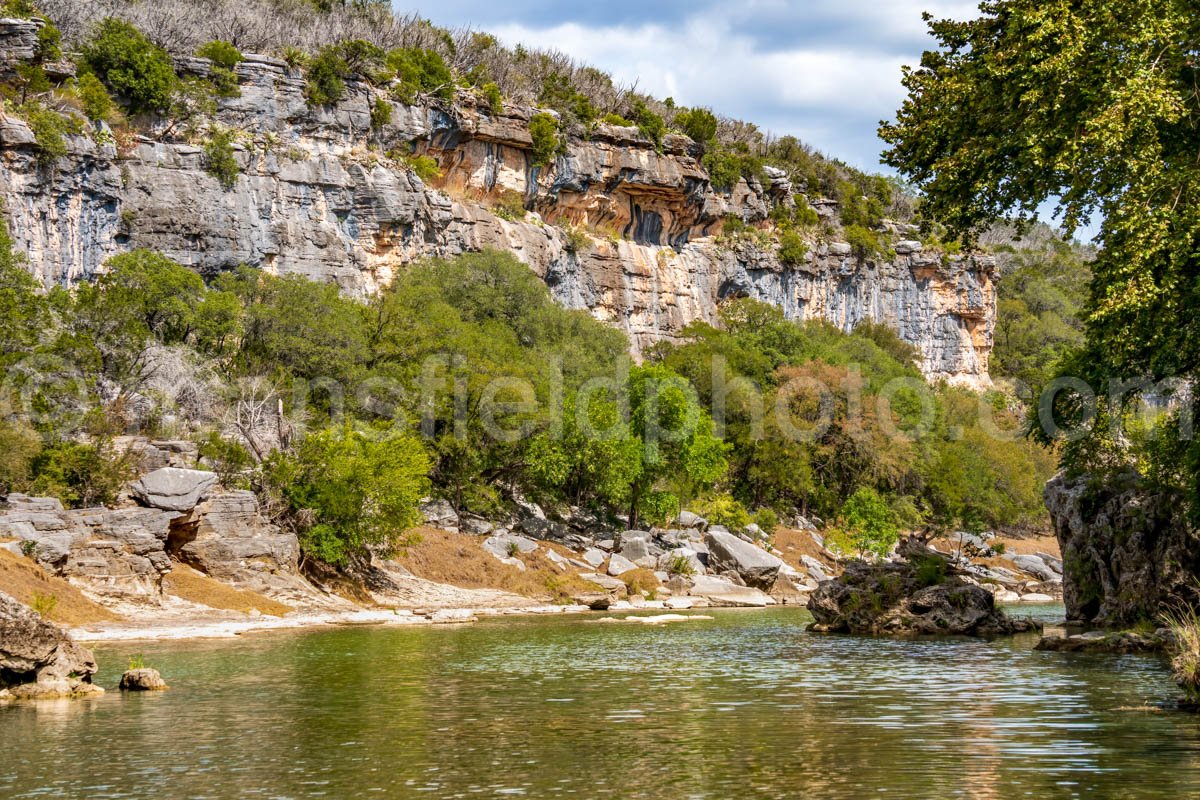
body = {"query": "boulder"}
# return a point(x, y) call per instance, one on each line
point(636, 545)
point(594, 556)
point(1034, 566)
point(173, 489)
point(755, 566)
point(682, 557)
point(916, 594)
point(142, 679)
point(1037, 597)
point(692, 521)
point(37, 659)
point(508, 545)
point(603, 581)
point(439, 514)
point(720, 592)
point(618, 565)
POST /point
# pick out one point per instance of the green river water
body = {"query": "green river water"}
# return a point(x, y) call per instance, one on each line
point(746, 705)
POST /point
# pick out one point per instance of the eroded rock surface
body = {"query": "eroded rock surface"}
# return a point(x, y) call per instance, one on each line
point(37, 660)
point(1127, 552)
point(313, 198)
point(915, 596)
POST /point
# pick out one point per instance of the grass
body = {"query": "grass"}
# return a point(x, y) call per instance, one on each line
point(26, 581)
point(460, 560)
point(1184, 624)
point(188, 584)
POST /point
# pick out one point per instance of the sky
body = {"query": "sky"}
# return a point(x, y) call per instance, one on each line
point(825, 71)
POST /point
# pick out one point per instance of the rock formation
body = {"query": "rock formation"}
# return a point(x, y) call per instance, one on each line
point(916, 595)
point(1127, 553)
point(317, 196)
point(37, 660)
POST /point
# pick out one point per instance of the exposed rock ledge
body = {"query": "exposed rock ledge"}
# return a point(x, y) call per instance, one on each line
point(915, 596)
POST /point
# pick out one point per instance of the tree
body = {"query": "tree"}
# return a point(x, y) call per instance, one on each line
point(131, 66)
point(675, 441)
point(1094, 103)
point(698, 123)
point(870, 523)
point(347, 491)
point(543, 129)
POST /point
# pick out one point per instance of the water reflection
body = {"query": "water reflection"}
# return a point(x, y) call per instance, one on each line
point(745, 705)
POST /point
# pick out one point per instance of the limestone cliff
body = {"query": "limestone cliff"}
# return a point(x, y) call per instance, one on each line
point(317, 195)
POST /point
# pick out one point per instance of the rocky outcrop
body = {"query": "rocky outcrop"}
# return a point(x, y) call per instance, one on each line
point(142, 679)
point(227, 538)
point(113, 553)
point(317, 196)
point(1128, 552)
point(173, 489)
point(918, 595)
point(37, 660)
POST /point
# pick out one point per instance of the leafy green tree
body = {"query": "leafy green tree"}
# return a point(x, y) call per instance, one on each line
point(131, 66)
point(327, 74)
point(81, 475)
point(676, 443)
point(225, 58)
point(347, 491)
point(420, 71)
point(149, 288)
point(870, 523)
point(1094, 104)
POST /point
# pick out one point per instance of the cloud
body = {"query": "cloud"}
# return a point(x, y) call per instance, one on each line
point(826, 71)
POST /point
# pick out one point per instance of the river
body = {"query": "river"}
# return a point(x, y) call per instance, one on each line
point(748, 704)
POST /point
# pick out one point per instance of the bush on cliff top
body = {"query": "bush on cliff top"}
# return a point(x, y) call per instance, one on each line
point(131, 66)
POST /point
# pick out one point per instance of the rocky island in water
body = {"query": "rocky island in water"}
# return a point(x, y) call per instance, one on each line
point(447, 416)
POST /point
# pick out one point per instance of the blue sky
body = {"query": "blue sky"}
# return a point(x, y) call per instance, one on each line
point(826, 71)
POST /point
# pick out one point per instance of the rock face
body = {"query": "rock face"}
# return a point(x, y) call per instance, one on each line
point(914, 596)
point(313, 199)
point(1127, 552)
point(173, 489)
point(117, 553)
point(37, 660)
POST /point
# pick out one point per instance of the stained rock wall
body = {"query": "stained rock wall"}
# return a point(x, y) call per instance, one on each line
point(317, 196)
point(1127, 553)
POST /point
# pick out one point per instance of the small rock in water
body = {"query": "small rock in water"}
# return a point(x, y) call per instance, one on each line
point(142, 679)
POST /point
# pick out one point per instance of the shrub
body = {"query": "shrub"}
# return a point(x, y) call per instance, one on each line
point(29, 548)
point(347, 491)
point(43, 604)
point(381, 114)
point(543, 128)
point(725, 167)
point(681, 565)
point(219, 158)
point(649, 124)
point(327, 74)
point(224, 57)
point(792, 249)
point(698, 123)
point(617, 119)
point(509, 206)
point(80, 475)
point(869, 522)
point(98, 105)
point(420, 71)
point(491, 93)
point(1184, 625)
point(228, 459)
point(576, 239)
point(131, 66)
point(864, 242)
point(50, 130)
point(930, 570)
point(722, 509)
point(766, 519)
point(49, 43)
